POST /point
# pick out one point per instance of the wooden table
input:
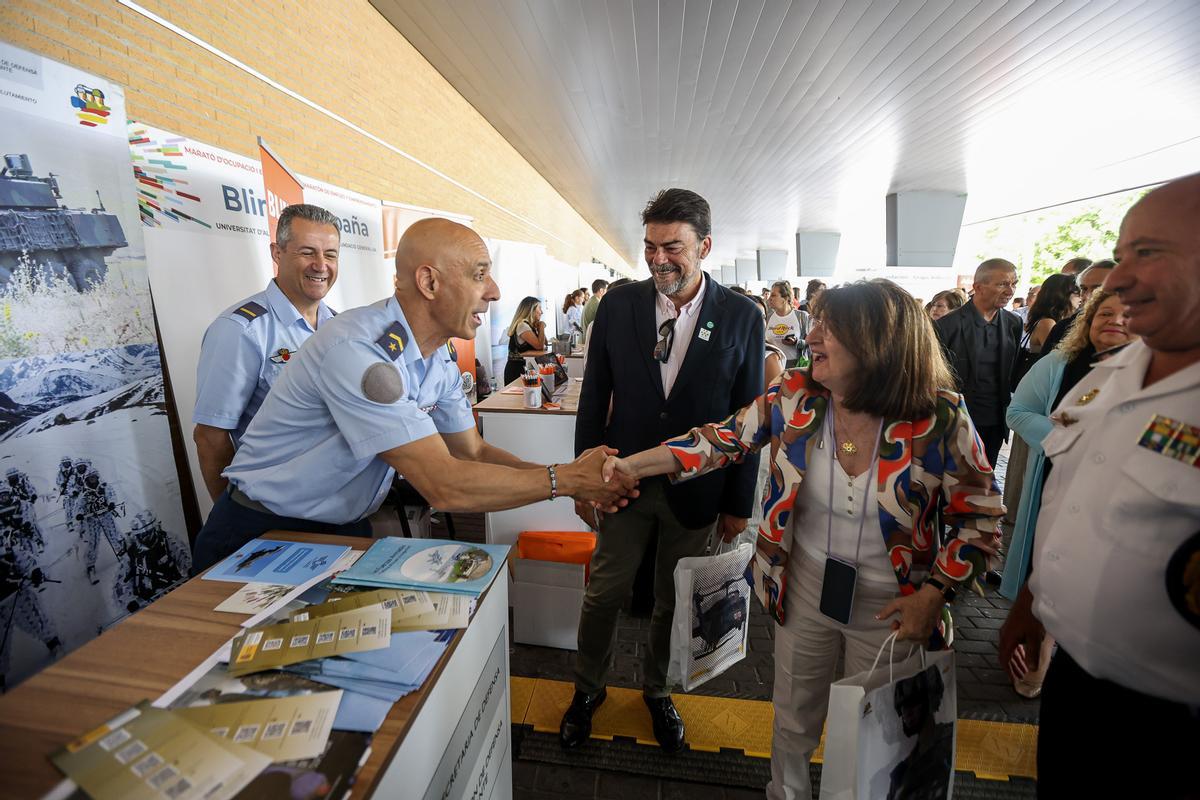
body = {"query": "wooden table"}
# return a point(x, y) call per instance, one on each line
point(150, 651)
point(567, 400)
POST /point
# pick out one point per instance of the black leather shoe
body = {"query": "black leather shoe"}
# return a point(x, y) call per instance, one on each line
point(576, 724)
point(668, 725)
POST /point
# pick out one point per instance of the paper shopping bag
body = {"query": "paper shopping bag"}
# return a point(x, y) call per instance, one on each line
point(906, 734)
point(712, 614)
point(864, 732)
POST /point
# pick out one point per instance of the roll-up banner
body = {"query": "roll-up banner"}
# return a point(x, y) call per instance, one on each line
point(204, 212)
point(91, 525)
point(281, 187)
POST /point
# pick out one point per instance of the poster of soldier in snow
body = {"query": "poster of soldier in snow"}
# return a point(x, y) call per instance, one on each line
point(91, 524)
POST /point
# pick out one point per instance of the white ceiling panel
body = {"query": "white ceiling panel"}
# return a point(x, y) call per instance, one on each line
point(802, 115)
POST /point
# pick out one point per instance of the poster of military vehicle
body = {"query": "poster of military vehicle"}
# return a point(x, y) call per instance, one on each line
point(91, 526)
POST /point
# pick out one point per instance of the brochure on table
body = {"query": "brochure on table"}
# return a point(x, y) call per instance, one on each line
point(282, 728)
point(147, 753)
point(435, 565)
point(271, 561)
point(291, 642)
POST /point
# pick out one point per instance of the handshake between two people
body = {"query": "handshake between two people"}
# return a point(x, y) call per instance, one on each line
point(595, 488)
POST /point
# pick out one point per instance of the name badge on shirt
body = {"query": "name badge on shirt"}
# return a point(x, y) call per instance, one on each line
point(1172, 438)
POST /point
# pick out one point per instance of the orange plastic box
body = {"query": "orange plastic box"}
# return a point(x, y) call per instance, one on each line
point(549, 580)
point(564, 547)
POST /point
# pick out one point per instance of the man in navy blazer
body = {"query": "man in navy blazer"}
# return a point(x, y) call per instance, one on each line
point(665, 355)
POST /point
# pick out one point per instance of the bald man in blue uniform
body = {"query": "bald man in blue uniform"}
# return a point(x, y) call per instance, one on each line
point(375, 392)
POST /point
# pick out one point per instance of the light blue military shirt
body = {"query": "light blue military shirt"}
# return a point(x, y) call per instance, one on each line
point(312, 450)
point(244, 351)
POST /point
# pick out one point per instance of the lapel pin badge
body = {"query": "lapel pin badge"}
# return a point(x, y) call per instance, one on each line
point(709, 325)
point(704, 334)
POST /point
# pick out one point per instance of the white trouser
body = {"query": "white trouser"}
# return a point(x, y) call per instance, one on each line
point(806, 655)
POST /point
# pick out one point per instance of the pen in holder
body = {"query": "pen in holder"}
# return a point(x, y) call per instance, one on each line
point(533, 389)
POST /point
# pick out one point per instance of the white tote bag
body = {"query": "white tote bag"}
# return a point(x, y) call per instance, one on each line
point(712, 615)
point(890, 732)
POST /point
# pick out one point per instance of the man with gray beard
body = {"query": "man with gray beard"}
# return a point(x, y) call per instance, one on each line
point(665, 354)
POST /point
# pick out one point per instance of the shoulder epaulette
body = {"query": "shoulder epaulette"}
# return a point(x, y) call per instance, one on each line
point(394, 340)
point(250, 310)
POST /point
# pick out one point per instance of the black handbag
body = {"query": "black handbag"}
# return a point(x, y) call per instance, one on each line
point(1026, 358)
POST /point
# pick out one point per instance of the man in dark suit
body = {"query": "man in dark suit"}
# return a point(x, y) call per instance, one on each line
point(982, 340)
point(665, 354)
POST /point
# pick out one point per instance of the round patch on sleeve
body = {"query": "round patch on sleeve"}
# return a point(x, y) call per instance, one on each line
point(1183, 579)
point(381, 383)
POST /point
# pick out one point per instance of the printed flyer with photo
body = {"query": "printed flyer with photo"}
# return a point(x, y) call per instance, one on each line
point(430, 564)
point(270, 561)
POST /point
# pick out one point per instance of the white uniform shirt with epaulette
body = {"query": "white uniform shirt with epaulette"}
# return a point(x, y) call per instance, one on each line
point(244, 351)
point(1116, 576)
point(358, 388)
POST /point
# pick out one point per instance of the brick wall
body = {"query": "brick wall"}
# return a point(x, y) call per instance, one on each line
point(341, 55)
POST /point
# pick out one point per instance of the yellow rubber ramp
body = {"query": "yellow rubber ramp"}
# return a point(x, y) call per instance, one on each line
point(520, 692)
point(996, 750)
point(992, 750)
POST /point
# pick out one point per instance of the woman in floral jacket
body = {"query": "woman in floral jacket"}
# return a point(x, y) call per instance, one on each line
point(870, 456)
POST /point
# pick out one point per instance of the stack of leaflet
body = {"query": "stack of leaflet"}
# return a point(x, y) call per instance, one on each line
point(422, 625)
point(435, 565)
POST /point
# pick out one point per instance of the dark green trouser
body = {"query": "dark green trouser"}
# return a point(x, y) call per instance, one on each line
point(619, 546)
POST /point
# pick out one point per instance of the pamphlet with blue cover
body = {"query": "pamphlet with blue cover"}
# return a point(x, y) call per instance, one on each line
point(437, 565)
point(278, 562)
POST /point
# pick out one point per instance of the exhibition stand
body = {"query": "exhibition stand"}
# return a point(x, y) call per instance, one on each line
point(538, 435)
point(448, 739)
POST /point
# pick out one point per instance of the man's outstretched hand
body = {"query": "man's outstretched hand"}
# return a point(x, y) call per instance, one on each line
point(1021, 637)
point(584, 480)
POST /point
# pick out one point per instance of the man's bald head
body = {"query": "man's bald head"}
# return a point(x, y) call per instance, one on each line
point(1158, 267)
point(432, 242)
point(444, 279)
point(1182, 194)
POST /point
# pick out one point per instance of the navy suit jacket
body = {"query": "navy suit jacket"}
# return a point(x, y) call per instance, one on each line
point(718, 376)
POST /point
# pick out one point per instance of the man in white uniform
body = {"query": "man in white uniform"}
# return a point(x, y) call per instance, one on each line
point(1116, 575)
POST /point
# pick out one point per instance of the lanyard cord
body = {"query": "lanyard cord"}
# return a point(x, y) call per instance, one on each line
point(866, 493)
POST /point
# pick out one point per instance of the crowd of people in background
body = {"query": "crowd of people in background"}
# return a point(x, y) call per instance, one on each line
point(990, 371)
point(906, 408)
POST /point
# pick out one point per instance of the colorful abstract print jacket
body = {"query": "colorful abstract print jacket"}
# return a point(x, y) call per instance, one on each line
point(927, 465)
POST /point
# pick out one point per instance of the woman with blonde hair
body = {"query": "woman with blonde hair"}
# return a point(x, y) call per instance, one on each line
point(1100, 330)
point(866, 446)
point(526, 334)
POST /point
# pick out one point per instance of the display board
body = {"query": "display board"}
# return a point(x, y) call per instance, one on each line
point(90, 516)
point(204, 215)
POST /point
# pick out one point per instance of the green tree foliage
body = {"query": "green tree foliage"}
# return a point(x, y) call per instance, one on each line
point(1040, 242)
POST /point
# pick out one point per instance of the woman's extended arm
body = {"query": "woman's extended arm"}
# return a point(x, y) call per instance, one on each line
point(708, 447)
